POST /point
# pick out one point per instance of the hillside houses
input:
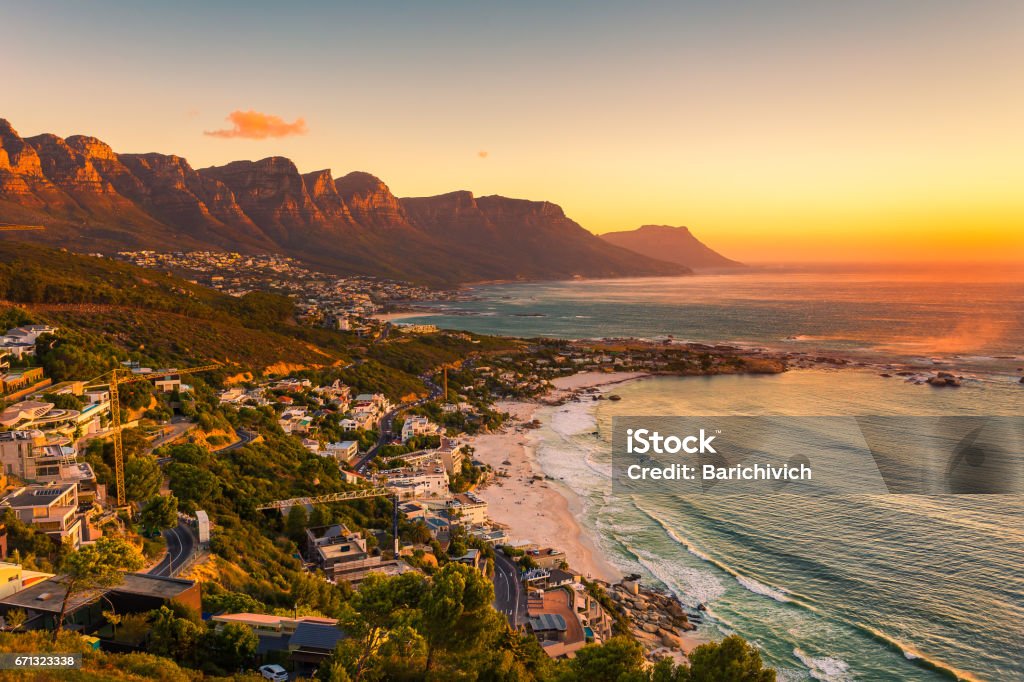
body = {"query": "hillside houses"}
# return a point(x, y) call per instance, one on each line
point(343, 555)
point(52, 509)
point(345, 452)
point(467, 509)
point(45, 416)
point(20, 342)
point(341, 303)
point(424, 479)
point(415, 426)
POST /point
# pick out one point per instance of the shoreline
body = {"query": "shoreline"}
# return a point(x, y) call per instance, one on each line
point(546, 511)
point(530, 506)
point(395, 317)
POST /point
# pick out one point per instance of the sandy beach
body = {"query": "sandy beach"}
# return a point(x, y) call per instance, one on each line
point(536, 510)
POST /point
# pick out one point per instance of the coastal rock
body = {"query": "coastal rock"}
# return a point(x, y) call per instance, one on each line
point(670, 639)
point(650, 628)
point(940, 380)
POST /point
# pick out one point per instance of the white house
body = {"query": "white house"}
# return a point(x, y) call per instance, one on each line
point(344, 451)
point(418, 426)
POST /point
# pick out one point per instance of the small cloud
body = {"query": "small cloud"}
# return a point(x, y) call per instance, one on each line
point(482, 154)
point(258, 126)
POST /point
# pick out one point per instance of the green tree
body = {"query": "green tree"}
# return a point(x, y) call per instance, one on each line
point(230, 646)
point(320, 516)
point(142, 478)
point(15, 618)
point(457, 545)
point(296, 522)
point(187, 453)
point(231, 602)
point(620, 659)
point(454, 609)
point(731, 660)
point(63, 401)
point(194, 487)
point(95, 567)
point(175, 638)
point(419, 533)
point(160, 513)
point(379, 623)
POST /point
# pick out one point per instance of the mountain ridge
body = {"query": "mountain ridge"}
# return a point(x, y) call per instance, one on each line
point(92, 198)
point(673, 244)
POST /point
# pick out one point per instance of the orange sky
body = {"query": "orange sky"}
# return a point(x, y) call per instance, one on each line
point(792, 130)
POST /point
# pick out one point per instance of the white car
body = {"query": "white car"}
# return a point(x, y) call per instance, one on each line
point(274, 672)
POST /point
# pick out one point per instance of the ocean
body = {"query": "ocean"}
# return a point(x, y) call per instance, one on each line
point(971, 317)
point(883, 587)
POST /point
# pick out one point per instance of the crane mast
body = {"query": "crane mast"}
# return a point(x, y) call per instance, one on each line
point(117, 379)
point(342, 497)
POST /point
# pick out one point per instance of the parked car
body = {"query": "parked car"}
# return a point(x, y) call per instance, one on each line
point(274, 672)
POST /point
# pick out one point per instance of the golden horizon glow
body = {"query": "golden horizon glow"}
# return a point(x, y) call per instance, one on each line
point(790, 131)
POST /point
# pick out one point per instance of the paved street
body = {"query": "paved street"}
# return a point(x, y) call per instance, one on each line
point(244, 438)
point(389, 418)
point(509, 597)
point(181, 544)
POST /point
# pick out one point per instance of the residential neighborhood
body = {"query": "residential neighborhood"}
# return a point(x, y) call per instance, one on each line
point(390, 487)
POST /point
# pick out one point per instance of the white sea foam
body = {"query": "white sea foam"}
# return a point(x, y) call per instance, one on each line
point(573, 419)
point(825, 668)
point(790, 674)
point(685, 582)
point(754, 586)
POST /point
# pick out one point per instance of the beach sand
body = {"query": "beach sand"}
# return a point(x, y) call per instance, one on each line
point(536, 510)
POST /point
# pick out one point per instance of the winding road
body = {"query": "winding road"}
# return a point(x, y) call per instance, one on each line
point(181, 545)
point(509, 597)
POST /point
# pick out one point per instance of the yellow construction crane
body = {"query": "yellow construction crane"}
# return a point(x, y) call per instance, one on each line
point(454, 365)
point(10, 227)
point(114, 379)
point(341, 497)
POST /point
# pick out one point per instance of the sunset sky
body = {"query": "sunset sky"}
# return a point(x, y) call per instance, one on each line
point(777, 131)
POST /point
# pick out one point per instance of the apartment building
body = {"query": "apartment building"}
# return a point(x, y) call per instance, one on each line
point(52, 509)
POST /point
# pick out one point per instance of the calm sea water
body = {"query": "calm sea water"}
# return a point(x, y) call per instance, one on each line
point(836, 588)
point(839, 588)
point(916, 315)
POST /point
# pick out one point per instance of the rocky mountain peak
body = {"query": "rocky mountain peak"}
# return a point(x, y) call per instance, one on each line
point(92, 198)
point(370, 201)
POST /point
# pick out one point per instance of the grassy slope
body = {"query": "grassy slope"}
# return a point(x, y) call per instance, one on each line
point(149, 314)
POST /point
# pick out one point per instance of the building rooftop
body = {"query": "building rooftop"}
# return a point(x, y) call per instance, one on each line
point(37, 495)
point(337, 532)
point(547, 621)
point(47, 595)
point(315, 636)
point(153, 586)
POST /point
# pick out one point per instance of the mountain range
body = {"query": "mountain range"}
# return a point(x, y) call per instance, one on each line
point(672, 244)
point(91, 198)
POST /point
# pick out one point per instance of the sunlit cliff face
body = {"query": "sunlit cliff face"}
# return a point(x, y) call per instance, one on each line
point(792, 131)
